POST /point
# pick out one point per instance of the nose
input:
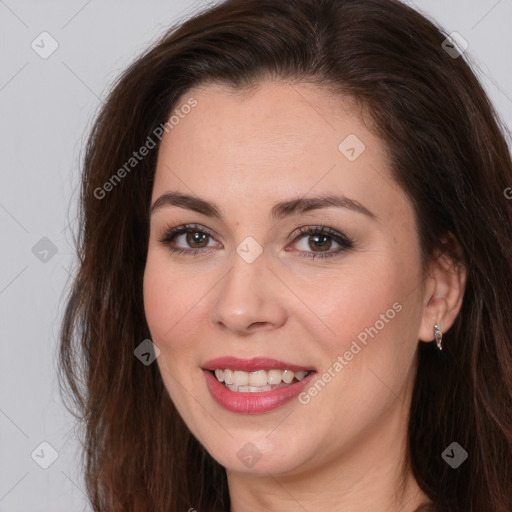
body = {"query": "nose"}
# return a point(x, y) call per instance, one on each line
point(249, 298)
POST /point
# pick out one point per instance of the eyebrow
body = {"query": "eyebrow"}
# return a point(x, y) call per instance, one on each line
point(280, 210)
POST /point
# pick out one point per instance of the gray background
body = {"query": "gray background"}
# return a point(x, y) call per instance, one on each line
point(46, 108)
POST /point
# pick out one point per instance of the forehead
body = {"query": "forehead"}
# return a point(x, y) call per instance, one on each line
point(273, 114)
point(276, 140)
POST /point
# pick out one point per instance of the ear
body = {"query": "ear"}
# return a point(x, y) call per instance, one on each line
point(444, 291)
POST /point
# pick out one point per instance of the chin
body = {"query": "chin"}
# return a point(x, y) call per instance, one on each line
point(255, 454)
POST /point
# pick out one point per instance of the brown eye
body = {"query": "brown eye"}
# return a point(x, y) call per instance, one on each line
point(193, 240)
point(320, 240)
point(196, 237)
point(187, 239)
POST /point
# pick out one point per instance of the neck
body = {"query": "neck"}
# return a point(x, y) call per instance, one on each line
point(376, 489)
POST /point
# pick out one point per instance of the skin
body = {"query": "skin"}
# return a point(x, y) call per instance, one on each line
point(343, 450)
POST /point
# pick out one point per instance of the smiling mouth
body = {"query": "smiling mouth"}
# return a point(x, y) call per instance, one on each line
point(258, 381)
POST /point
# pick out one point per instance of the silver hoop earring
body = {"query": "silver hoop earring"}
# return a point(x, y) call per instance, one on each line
point(438, 336)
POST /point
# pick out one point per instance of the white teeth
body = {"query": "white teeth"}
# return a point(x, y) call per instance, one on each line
point(259, 380)
point(288, 376)
point(274, 376)
point(240, 378)
point(300, 375)
point(228, 376)
point(249, 389)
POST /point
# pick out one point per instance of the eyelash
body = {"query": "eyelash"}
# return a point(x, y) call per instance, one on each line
point(345, 242)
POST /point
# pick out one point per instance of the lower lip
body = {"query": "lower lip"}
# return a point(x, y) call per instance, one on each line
point(256, 402)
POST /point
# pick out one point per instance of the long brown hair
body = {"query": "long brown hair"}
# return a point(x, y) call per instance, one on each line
point(448, 153)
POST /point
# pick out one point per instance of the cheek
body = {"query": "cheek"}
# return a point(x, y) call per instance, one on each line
point(373, 316)
point(364, 297)
point(365, 365)
point(165, 303)
point(175, 309)
point(379, 295)
point(157, 302)
point(170, 297)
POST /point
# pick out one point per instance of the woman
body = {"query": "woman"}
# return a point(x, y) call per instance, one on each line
point(295, 273)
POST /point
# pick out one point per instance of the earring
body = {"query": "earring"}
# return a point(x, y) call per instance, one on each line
point(438, 336)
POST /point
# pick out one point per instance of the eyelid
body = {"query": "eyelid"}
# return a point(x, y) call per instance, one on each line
point(171, 232)
point(345, 243)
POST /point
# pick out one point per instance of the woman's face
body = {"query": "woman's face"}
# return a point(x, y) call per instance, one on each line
point(246, 286)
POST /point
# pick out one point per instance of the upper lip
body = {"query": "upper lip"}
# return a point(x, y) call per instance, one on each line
point(251, 365)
